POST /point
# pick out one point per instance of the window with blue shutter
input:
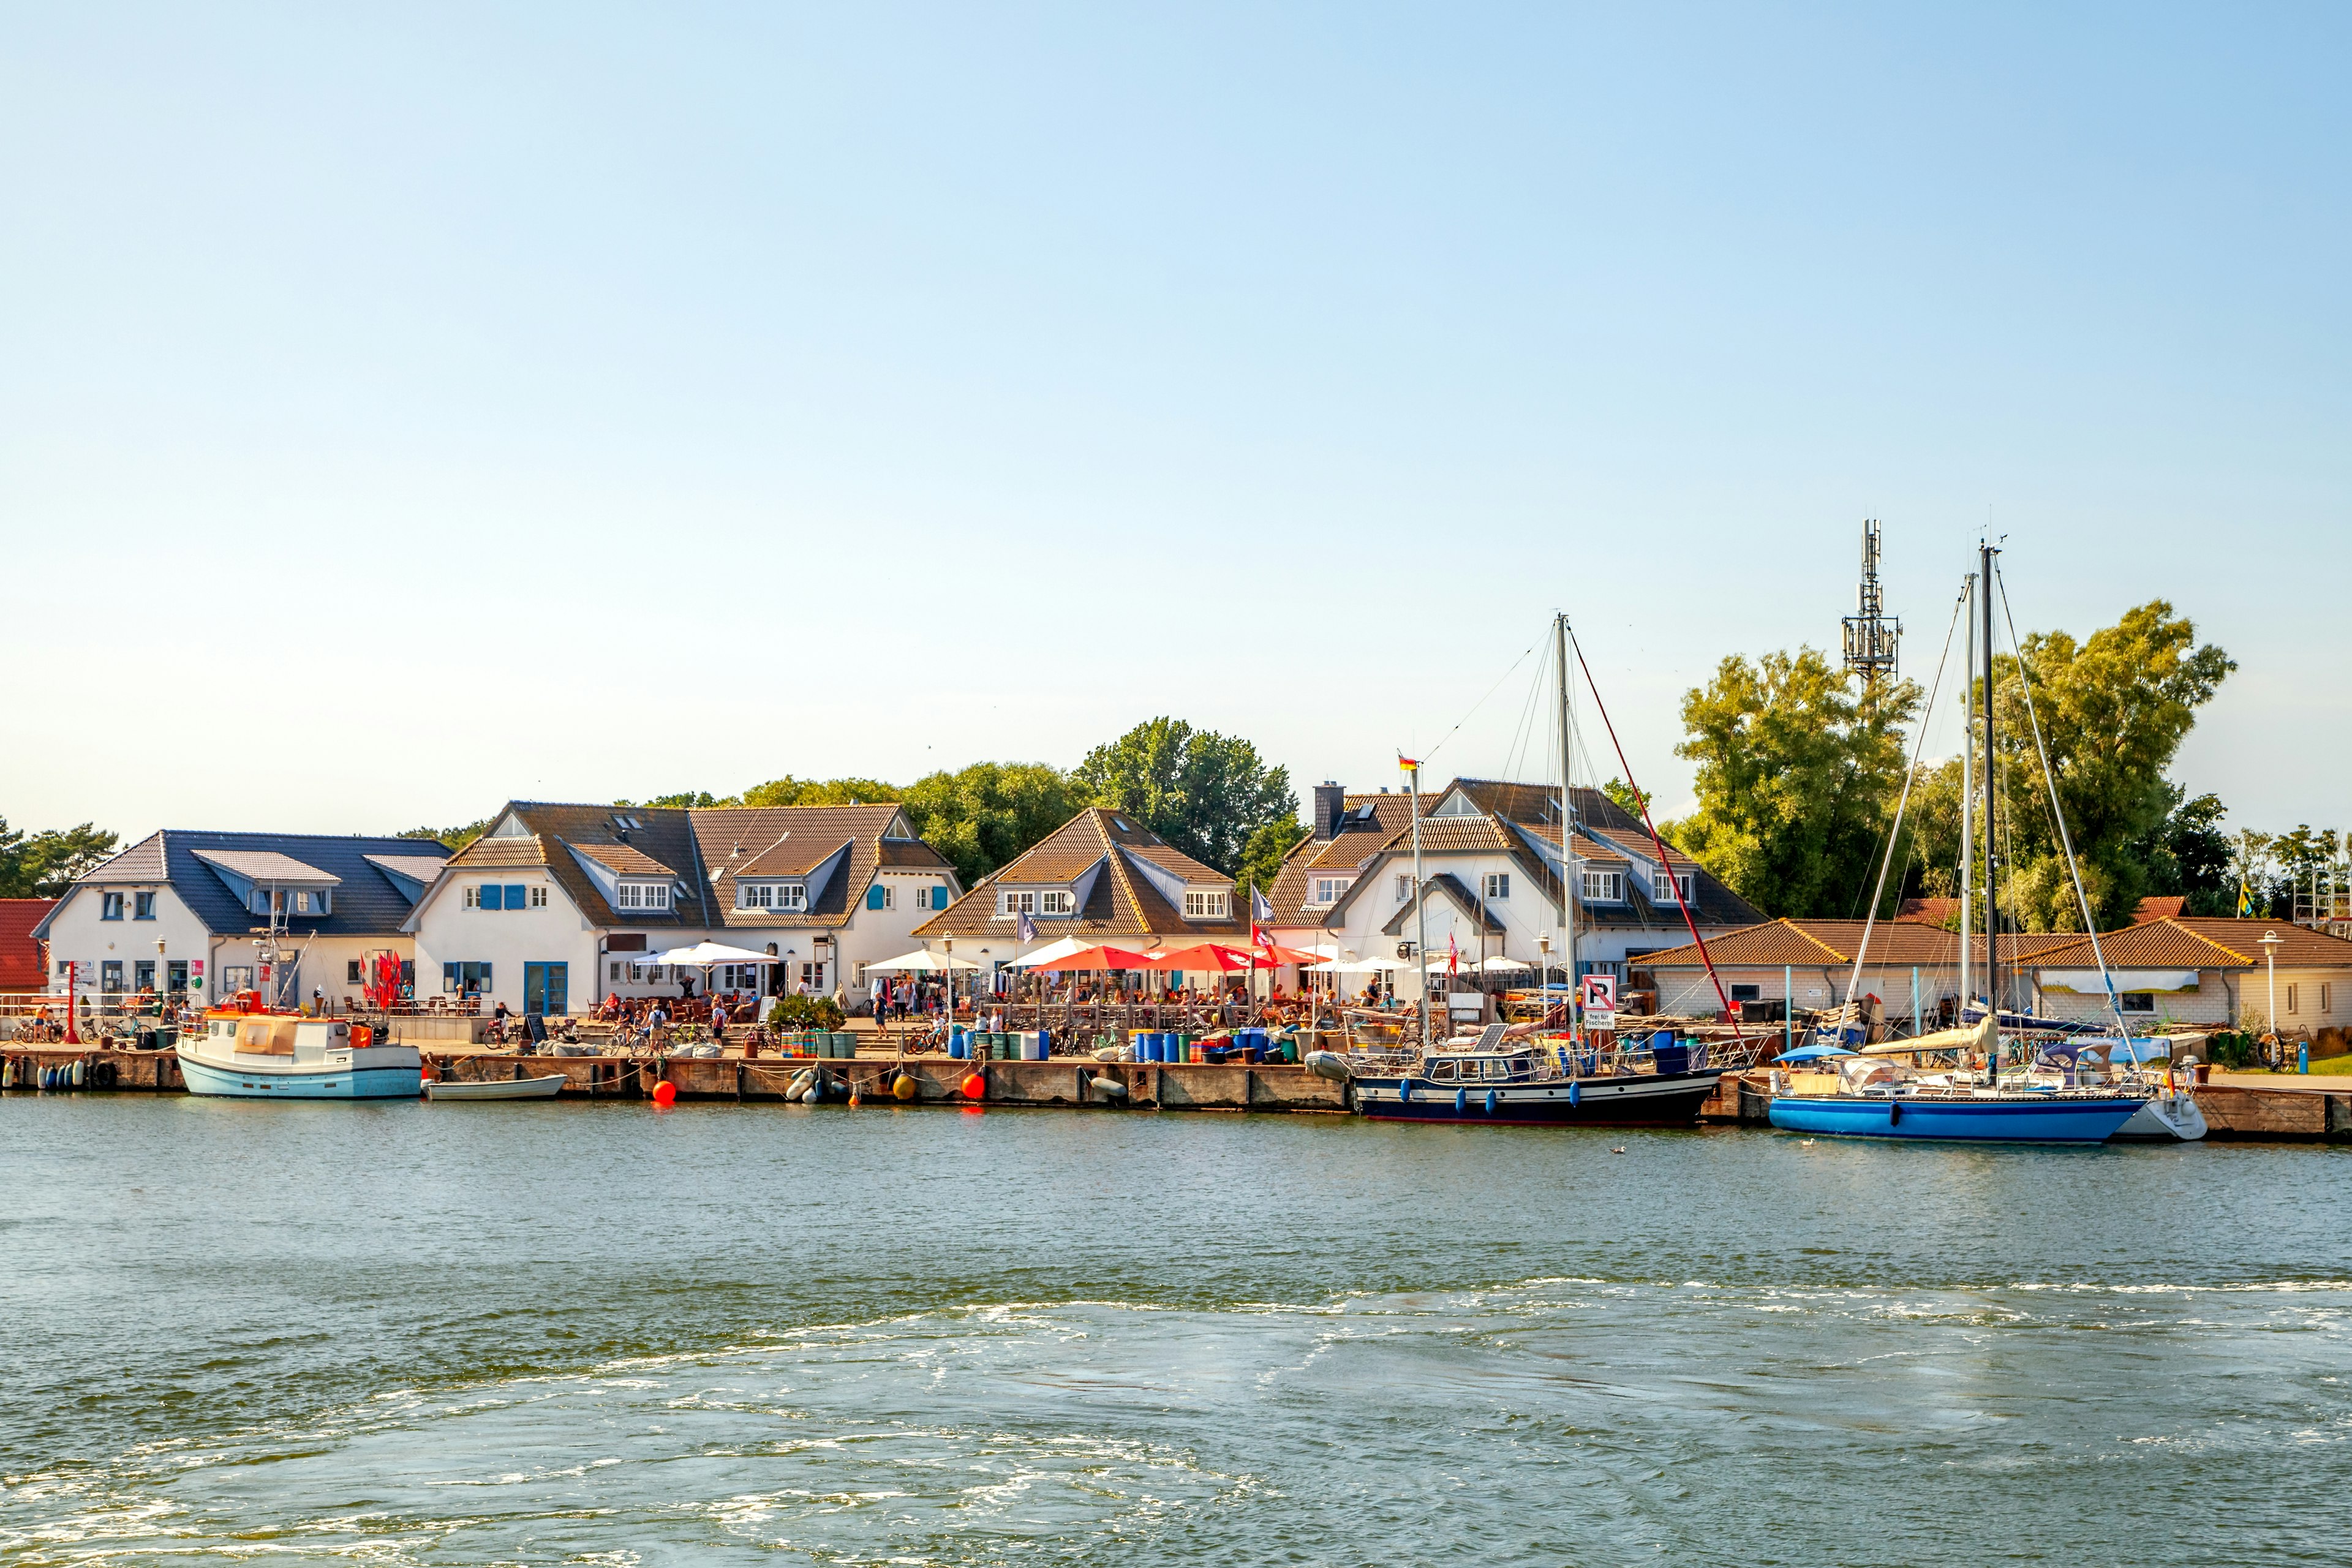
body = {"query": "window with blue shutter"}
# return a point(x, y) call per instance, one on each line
point(516, 895)
point(874, 896)
point(940, 898)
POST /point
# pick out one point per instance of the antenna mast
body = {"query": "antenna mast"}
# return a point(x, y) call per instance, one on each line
point(1872, 636)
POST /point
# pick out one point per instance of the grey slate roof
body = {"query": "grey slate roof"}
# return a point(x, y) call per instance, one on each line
point(367, 902)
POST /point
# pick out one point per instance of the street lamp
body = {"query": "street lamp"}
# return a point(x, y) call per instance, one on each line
point(2271, 940)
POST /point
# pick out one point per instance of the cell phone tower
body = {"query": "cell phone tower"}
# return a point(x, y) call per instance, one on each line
point(1872, 636)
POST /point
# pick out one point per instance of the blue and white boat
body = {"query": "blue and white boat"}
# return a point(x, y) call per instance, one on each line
point(285, 1056)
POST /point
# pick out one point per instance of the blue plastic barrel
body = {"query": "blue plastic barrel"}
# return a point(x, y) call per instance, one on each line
point(1045, 1044)
point(955, 1044)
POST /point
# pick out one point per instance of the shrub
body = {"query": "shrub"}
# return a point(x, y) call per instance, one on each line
point(2231, 1049)
point(804, 1013)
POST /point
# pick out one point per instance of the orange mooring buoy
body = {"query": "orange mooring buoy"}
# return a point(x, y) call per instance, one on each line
point(975, 1087)
point(665, 1093)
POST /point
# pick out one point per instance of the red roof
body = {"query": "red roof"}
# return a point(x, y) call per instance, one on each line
point(23, 965)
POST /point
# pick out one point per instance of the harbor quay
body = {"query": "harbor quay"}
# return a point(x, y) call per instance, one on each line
point(2241, 1110)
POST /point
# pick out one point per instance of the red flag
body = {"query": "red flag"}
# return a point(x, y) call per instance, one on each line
point(1453, 955)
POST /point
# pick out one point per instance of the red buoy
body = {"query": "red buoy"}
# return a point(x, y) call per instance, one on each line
point(665, 1093)
point(975, 1087)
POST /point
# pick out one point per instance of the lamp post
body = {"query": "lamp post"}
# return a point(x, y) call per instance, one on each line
point(2270, 959)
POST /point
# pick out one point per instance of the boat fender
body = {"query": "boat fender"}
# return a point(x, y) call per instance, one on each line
point(1894, 1112)
point(1490, 1102)
point(1575, 1093)
point(1404, 1092)
point(905, 1086)
point(78, 1073)
point(1331, 1064)
point(1461, 1102)
point(1109, 1086)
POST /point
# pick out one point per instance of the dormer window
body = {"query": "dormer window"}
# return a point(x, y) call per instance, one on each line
point(1663, 888)
point(1016, 903)
point(1053, 902)
point(1207, 906)
point(1604, 886)
point(652, 896)
point(311, 903)
point(771, 895)
point(1324, 892)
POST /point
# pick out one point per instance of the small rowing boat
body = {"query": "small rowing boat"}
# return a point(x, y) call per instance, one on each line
point(543, 1088)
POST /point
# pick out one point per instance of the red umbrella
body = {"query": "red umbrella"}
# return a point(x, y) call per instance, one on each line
point(1273, 954)
point(1209, 955)
point(1093, 960)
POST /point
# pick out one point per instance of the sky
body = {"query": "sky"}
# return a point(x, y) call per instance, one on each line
point(407, 408)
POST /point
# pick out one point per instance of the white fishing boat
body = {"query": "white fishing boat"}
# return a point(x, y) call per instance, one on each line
point(246, 1053)
point(545, 1086)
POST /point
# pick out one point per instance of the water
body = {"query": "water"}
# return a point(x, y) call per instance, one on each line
point(538, 1335)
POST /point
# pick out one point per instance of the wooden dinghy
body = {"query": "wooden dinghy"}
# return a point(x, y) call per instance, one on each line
point(495, 1088)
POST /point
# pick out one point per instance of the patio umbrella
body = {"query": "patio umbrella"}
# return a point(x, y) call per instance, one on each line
point(1362, 967)
point(1051, 951)
point(703, 954)
point(922, 960)
point(1208, 955)
point(1093, 960)
point(1274, 953)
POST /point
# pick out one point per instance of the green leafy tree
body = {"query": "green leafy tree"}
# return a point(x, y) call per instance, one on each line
point(44, 864)
point(983, 815)
point(1263, 856)
point(1797, 780)
point(2113, 710)
point(690, 800)
point(1631, 801)
point(1205, 793)
point(790, 791)
point(457, 838)
point(2191, 855)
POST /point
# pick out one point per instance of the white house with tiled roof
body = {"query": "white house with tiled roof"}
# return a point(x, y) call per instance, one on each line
point(1099, 877)
point(1490, 856)
point(557, 906)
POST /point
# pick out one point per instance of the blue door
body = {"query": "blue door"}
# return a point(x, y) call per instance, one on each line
point(546, 988)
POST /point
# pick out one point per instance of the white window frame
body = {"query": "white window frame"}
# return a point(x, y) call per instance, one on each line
point(473, 895)
point(1498, 884)
point(1015, 901)
point(538, 895)
point(792, 896)
point(1055, 901)
point(1207, 905)
point(1327, 890)
point(649, 895)
point(755, 895)
point(1663, 892)
point(1603, 886)
point(1404, 887)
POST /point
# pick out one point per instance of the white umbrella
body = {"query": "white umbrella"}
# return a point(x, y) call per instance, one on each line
point(703, 954)
point(1051, 951)
point(922, 960)
point(1361, 966)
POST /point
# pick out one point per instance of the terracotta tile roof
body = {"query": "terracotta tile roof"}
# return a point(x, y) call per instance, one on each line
point(2159, 908)
point(1930, 912)
point(2200, 942)
point(662, 841)
point(1537, 806)
point(24, 965)
point(139, 862)
point(1774, 944)
point(795, 841)
point(1122, 903)
point(482, 852)
point(625, 859)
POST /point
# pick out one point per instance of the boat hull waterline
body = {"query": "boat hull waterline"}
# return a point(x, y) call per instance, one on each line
point(495, 1088)
point(1638, 1101)
point(2039, 1119)
point(239, 1081)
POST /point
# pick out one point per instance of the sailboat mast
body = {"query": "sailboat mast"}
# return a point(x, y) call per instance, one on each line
point(1566, 821)
point(1992, 893)
point(1419, 901)
point(1968, 792)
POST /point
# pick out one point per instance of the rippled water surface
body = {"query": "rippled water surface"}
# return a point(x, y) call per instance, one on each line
point(525, 1334)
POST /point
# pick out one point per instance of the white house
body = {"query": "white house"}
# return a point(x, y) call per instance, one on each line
point(1490, 855)
point(179, 910)
point(557, 905)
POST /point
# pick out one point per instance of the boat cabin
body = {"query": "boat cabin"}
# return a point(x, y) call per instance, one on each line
point(285, 1034)
point(1480, 1069)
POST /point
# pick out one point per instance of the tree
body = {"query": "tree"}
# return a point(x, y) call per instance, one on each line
point(1205, 793)
point(1263, 856)
point(1797, 780)
point(790, 791)
point(45, 865)
point(983, 816)
point(457, 838)
point(1631, 801)
point(2190, 854)
point(686, 801)
point(2113, 710)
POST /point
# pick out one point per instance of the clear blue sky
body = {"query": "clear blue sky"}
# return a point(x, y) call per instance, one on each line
point(586, 402)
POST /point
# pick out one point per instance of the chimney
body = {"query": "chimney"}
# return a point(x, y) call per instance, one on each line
point(1330, 800)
